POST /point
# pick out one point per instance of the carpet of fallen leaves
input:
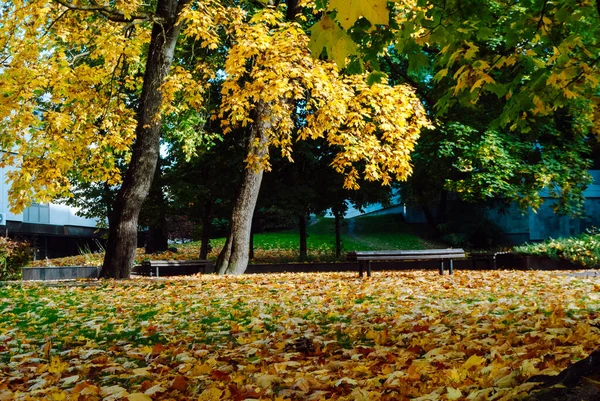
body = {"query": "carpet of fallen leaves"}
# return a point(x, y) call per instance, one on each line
point(320, 336)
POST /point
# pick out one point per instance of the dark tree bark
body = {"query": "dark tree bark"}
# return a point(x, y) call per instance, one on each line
point(302, 229)
point(158, 236)
point(206, 230)
point(251, 246)
point(122, 233)
point(233, 258)
point(293, 9)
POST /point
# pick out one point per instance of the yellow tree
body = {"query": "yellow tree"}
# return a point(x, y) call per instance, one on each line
point(269, 72)
point(82, 83)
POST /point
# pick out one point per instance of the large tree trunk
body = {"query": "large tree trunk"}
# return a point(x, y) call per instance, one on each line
point(251, 245)
point(122, 233)
point(233, 259)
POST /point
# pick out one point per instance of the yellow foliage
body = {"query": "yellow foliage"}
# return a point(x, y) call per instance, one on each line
point(372, 126)
point(68, 79)
point(65, 74)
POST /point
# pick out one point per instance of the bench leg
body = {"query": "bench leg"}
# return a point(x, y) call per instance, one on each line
point(451, 267)
point(442, 268)
point(360, 268)
point(368, 268)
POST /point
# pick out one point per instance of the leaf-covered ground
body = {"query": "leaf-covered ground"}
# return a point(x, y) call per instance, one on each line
point(319, 336)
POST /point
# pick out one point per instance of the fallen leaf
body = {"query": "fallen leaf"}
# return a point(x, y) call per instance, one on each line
point(474, 360)
point(138, 397)
point(210, 394)
point(453, 394)
point(179, 383)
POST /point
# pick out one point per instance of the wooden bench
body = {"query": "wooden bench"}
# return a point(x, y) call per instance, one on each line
point(161, 268)
point(364, 258)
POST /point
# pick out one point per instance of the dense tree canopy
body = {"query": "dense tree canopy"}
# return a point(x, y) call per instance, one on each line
point(86, 85)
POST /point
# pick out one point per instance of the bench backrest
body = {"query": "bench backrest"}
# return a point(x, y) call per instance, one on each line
point(407, 254)
point(163, 263)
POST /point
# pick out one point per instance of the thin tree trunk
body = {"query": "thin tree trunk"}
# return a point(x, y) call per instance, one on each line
point(338, 233)
point(233, 258)
point(426, 210)
point(302, 226)
point(122, 233)
point(206, 230)
point(155, 204)
point(158, 236)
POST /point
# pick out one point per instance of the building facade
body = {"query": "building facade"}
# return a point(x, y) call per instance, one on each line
point(542, 224)
point(54, 230)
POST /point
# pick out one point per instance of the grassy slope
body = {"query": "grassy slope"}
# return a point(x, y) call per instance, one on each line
point(359, 233)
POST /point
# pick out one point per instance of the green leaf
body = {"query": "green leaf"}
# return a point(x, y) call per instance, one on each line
point(349, 11)
point(417, 61)
point(326, 34)
point(440, 74)
point(376, 77)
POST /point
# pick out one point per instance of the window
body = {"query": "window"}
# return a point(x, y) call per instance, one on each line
point(37, 213)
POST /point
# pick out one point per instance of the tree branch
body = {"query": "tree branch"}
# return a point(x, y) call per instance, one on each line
point(421, 92)
point(542, 15)
point(110, 13)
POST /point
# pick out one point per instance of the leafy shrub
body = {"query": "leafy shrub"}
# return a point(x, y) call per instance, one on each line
point(13, 255)
point(583, 249)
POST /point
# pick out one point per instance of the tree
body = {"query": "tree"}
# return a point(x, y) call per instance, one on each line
point(472, 152)
point(203, 186)
point(68, 74)
point(268, 71)
point(538, 55)
point(513, 88)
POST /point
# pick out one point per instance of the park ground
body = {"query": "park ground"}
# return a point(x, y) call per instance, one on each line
point(475, 335)
point(359, 233)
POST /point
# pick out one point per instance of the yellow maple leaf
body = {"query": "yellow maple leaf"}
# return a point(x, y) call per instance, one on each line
point(210, 394)
point(328, 35)
point(266, 381)
point(203, 369)
point(349, 11)
point(474, 360)
point(57, 366)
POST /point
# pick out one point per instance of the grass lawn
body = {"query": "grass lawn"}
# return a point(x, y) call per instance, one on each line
point(360, 233)
point(319, 336)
